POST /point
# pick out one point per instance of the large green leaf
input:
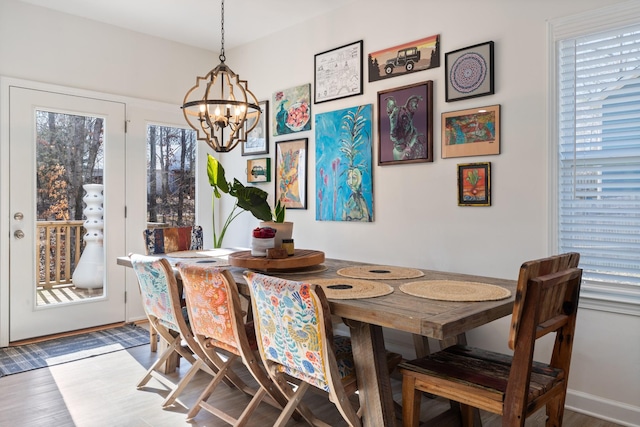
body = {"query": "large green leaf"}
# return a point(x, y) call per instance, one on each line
point(217, 180)
point(252, 199)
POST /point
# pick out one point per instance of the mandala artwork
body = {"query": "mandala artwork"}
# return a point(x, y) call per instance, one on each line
point(468, 72)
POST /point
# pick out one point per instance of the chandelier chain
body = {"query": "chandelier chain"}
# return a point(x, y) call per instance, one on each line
point(222, 56)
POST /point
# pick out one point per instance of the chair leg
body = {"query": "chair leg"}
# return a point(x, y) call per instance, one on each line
point(206, 393)
point(468, 414)
point(411, 400)
point(555, 411)
point(184, 381)
point(153, 339)
point(244, 417)
point(294, 400)
point(156, 365)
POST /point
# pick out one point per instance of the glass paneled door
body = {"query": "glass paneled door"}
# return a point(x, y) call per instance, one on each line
point(67, 192)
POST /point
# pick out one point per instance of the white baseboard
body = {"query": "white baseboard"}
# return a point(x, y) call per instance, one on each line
point(602, 408)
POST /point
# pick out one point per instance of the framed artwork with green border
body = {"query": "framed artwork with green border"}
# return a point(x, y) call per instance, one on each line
point(259, 170)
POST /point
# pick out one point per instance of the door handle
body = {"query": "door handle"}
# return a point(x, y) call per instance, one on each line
point(19, 216)
point(18, 234)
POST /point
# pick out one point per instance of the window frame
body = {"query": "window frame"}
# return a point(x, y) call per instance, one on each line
point(622, 299)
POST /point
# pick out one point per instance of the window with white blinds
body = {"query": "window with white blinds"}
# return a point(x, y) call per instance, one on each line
point(598, 158)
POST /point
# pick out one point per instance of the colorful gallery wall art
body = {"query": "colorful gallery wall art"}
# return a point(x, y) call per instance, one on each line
point(405, 124)
point(471, 132)
point(406, 58)
point(291, 173)
point(292, 110)
point(344, 185)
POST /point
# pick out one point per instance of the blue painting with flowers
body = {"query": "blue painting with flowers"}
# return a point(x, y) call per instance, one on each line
point(344, 186)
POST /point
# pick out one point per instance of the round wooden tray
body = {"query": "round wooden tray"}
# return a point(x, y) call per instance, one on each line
point(300, 258)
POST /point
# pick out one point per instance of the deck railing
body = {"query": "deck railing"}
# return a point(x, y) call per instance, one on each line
point(59, 246)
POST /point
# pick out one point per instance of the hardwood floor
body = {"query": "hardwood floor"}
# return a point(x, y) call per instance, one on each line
point(100, 391)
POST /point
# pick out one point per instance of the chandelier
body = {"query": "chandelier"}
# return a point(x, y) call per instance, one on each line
point(220, 107)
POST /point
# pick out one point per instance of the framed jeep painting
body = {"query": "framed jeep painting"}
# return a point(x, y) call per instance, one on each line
point(406, 58)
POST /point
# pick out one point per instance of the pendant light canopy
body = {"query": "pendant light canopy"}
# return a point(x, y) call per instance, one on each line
point(220, 107)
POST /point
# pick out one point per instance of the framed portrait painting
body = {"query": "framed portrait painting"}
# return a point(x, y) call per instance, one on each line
point(474, 184)
point(405, 124)
point(469, 72)
point(338, 73)
point(291, 173)
point(258, 139)
point(471, 132)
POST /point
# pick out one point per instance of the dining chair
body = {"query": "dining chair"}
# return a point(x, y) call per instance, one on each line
point(161, 240)
point(514, 386)
point(217, 322)
point(161, 302)
point(295, 337)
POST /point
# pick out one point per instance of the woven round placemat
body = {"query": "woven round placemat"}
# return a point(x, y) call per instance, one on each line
point(379, 272)
point(352, 288)
point(452, 290)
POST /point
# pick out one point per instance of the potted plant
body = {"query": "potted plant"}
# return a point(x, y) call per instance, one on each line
point(284, 228)
point(248, 198)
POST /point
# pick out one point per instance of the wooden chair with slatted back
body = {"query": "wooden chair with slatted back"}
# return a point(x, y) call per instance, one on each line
point(162, 240)
point(512, 386)
point(213, 303)
point(161, 301)
point(296, 340)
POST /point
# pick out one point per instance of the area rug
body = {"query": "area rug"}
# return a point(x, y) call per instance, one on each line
point(27, 357)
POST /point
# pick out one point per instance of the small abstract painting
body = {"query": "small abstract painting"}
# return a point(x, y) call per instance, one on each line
point(471, 132)
point(292, 110)
point(344, 185)
point(406, 58)
point(291, 173)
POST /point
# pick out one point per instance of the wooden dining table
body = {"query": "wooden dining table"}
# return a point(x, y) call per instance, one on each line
point(366, 318)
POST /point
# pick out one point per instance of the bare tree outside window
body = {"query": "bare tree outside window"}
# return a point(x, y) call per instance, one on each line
point(171, 159)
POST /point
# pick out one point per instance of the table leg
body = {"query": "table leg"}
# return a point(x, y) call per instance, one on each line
point(374, 384)
point(421, 345)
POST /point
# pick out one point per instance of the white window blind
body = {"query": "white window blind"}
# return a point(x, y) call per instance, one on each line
point(598, 176)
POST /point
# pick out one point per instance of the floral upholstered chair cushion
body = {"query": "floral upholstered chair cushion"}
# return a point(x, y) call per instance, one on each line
point(172, 239)
point(154, 290)
point(210, 307)
point(291, 331)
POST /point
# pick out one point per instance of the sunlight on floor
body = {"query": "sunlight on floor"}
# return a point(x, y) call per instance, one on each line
point(90, 401)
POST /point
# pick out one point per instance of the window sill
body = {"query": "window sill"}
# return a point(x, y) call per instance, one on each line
point(613, 300)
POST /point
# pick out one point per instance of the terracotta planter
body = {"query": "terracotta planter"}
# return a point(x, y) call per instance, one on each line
point(284, 230)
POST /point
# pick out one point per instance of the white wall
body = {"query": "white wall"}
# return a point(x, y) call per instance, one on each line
point(417, 220)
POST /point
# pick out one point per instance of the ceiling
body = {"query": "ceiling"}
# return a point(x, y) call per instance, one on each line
point(197, 22)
